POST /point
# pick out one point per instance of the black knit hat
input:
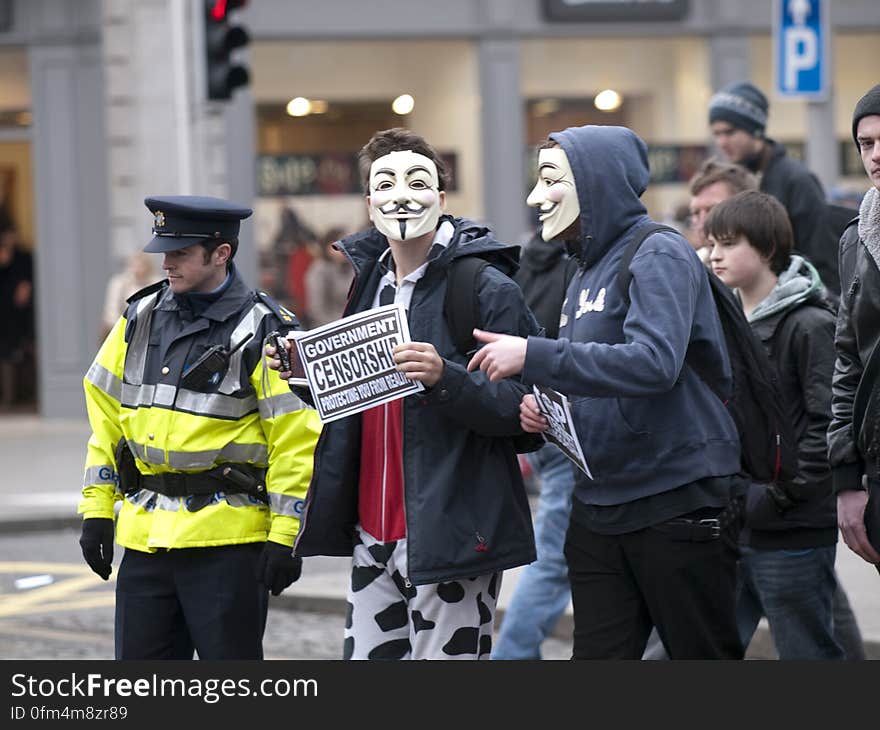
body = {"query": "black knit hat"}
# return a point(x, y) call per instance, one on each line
point(869, 104)
point(742, 105)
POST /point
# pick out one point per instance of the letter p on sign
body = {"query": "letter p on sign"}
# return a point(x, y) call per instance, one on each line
point(800, 35)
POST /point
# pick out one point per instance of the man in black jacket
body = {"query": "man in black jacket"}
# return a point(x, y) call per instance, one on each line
point(737, 118)
point(853, 436)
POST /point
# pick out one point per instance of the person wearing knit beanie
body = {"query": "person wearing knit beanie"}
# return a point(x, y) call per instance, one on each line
point(738, 115)
point(737, 118)
point(868, 105)
point(742, 105)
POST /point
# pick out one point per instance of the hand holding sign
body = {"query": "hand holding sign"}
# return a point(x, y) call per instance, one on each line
point(530, 417)
point(419, 361)
point(501, 357)
point(288, 359)
point(554, 406)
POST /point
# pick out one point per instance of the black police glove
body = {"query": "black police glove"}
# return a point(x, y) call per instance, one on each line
point(278, 567)
point(96, 542)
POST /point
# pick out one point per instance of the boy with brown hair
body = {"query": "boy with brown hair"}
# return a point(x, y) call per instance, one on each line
point(786, 571)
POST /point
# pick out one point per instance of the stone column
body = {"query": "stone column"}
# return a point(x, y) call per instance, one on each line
point(70, 187)
point(503, 136)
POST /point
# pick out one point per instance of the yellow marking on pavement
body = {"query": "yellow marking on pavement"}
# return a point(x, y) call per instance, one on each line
point(58, 596)
point(86, 600)
point(26, 567)
point(8, 628)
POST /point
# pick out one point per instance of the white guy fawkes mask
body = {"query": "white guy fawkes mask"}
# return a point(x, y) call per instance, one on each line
point(405, 201)
point(554, 194)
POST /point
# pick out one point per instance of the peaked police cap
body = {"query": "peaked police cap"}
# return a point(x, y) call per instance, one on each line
point(184, 220)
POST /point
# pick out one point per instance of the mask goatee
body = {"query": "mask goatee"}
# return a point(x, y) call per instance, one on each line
point(402, 229)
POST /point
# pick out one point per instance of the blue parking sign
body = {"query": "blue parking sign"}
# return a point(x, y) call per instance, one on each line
point(801, 47)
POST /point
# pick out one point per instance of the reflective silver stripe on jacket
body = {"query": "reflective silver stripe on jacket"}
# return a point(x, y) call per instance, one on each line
point(149, 500)
point(136, 354)
point(278, 405)
point(248, 325)
point(283, 504)
point(104, 380)
point(103, 474)
point(212, 405)
point(237, 453)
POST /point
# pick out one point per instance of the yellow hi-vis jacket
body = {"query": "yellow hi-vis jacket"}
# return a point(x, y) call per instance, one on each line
point(247, 415)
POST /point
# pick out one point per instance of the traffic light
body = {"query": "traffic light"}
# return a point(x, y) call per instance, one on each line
point(221, 38)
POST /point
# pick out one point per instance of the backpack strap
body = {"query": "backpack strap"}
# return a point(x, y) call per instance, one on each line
point(462, 305)
point(624, 275)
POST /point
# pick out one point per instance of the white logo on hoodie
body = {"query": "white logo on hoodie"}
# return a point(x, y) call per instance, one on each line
point(585, 304)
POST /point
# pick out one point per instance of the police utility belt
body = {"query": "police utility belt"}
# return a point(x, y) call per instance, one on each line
point(228, 478)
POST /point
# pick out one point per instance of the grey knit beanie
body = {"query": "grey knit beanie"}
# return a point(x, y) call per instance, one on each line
point(742, 105)
point(869, 104)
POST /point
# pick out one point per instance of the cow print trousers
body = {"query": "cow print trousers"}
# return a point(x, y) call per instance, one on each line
point(389, 618)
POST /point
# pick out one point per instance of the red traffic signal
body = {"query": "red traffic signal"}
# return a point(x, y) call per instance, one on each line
point(223, 74)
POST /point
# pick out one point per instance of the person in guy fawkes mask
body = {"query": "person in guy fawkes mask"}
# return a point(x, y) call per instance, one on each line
point(424, 492)
point(652, 536)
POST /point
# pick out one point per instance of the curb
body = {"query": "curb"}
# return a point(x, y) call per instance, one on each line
point(39, 524)
point(761, 646)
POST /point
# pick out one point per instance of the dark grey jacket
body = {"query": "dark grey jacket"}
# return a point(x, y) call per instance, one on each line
point(800, 192)
point(463, 490)
point(798, 333)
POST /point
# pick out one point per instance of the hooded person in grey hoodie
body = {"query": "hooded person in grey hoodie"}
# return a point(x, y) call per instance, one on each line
point(651, 539)
point(790, 536)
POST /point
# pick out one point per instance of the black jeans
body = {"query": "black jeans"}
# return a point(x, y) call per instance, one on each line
point(173, 602)
point(622, 585)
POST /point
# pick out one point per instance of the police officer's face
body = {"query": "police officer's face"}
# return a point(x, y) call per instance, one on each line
point(405, 201)
point(555, 195)
point(188, 271)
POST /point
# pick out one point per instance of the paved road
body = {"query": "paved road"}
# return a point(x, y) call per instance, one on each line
point(42, 471)
point(53, 607)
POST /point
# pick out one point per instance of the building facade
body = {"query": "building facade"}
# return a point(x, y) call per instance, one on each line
point(102, 103)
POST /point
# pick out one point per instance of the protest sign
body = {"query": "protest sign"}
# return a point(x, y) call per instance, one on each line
point(554, 407)
point(349, 363)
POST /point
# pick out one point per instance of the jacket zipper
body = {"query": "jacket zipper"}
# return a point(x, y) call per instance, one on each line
point(311, 491)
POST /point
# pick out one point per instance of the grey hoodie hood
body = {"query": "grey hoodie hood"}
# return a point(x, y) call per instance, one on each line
point(610, 166)
point(799, 282)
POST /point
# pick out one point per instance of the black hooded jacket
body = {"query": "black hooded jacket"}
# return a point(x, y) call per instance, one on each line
point(543, 275)
point(801, 194)
point(467, 513)
point(797, 328)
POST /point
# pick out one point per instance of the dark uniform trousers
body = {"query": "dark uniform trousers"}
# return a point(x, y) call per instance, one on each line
point(622, 585)
point(172, 602)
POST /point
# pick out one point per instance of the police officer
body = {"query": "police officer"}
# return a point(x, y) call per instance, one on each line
point(210, 457)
